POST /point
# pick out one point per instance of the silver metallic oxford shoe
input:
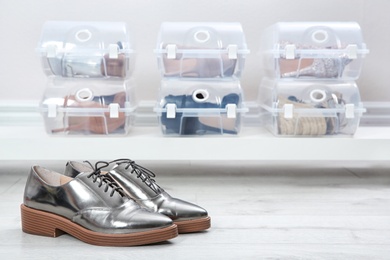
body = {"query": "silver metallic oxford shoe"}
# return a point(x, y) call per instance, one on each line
point(89, 207)
point(138, 183)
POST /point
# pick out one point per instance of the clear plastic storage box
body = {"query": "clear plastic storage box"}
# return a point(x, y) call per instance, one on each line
point(201, 50)
point(85, 106)
point(304, 108)
point(200, 107)
point(313, 50)
point(86, 49)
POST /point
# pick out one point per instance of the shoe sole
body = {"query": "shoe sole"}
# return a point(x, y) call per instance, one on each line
point(42, 223)
point(193, 225)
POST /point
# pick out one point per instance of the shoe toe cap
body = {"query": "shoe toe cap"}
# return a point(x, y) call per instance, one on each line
point(148, 220)
point(180, 210)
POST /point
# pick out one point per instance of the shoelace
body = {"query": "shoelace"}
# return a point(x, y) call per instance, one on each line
point(143, 173)
point(104, 179)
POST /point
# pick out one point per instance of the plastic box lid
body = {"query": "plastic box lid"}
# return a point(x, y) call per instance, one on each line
point(312, 107)
point(86, 49)
point(314, 49)
point(84, 105)
point(202, 50)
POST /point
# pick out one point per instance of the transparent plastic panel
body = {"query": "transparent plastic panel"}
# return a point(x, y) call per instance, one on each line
point(303, 108)
point(199, 108)
point(201, 50)
point(88, 107)
point(313, 50)
point(86, 49)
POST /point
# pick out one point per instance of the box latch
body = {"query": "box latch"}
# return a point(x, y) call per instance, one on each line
point(231, 110)
point(232, 51)
point(288, 110)
point(171, 110)
point(290, 51)
point(352, 50)
point(114, 110)
point(113, 51)
point(349, 111)
point(171, 51)
point(51, 51)
point(51, 110)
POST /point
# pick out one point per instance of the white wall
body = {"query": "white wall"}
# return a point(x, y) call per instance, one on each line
point(21, 77)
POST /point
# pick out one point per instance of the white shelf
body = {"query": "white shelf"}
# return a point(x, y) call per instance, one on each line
point(147, 143)
point(22, 137)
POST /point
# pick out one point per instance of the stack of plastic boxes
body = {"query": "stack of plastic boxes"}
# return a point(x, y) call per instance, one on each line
point(88, 65)
point(311, 69)
point(200, 92)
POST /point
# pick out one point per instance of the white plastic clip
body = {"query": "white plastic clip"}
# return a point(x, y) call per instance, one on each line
point(290, 51)
point(349, 111)
point(288, 110)
point(114, 110)
point(51, 51)
point(171, 110)
point(231, 110)
point(52, 110)
point(232, 51)
point(352, 50)
point(113, 51)
point(171, 51)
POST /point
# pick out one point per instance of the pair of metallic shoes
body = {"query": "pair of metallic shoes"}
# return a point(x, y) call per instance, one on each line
point(122, 206)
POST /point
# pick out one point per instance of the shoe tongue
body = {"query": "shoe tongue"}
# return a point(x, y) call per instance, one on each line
point(73, 168)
